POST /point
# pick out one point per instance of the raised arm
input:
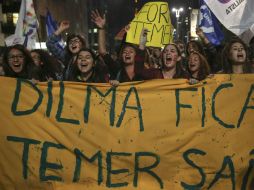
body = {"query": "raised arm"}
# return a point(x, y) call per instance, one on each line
point(140, 56)
point(64, 25)
point(143, 39)
point(211, 51)
point(52, 41)
point(202, 36)
point(100, 22)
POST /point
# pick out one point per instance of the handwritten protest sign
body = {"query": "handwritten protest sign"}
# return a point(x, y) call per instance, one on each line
point(160, 134)
point(155, 17)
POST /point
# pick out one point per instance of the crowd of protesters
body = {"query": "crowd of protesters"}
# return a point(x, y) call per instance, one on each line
point(197, 59)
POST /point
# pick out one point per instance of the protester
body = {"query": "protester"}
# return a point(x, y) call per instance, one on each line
point(86, 69)
point(206, 48)
point(153, 57)
point(67, 56)
point(133, 63)
point(198, 66)
point(171, 62)
point(17, 62)
point(171, 66)
point(124, 70)
point(235, 57)
point(181, 46)
point(46, 66)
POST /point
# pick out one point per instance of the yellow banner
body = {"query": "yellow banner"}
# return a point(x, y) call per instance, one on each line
point(159, 134)
point(153, 16)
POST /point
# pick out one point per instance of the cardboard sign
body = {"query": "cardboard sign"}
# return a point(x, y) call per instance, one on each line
point(155, 17)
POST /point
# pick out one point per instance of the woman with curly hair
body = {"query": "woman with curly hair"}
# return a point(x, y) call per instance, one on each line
point(17, 62)
point(46, 66)
point(198, 66)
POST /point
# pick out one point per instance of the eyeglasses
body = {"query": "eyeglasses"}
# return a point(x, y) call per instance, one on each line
point(74, 41)
point(13, 57)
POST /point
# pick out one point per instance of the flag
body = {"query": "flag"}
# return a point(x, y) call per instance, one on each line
point(51, 27)
point(236, 15)
point(26, 28)
point(208, 23)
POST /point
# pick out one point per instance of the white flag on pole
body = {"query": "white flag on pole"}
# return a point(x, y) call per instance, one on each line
point(236, 15)
point(27, 24)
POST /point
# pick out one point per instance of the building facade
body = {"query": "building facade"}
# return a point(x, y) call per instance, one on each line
point(76, 11)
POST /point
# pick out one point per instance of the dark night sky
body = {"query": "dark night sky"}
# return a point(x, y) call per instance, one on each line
point(176, 3)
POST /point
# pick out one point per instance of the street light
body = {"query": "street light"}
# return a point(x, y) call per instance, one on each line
point(177, 12)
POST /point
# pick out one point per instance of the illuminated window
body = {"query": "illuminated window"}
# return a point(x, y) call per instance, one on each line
point(15, 18)
point(10, 18)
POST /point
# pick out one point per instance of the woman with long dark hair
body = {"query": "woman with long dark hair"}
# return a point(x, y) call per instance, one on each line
point(17, 62)
point(235, 57)
point(67, 55)
point(46, 66)
point(86, 69)
point(198, 66)
point(171, 66)
point(124, 69)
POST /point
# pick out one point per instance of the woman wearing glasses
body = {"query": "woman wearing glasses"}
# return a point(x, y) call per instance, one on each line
point(67, 55)
point(17, 62)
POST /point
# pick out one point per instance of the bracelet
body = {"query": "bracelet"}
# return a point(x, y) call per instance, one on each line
point(101, 28)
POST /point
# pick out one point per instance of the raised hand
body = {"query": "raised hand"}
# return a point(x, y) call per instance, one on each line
point(200, 33)
point(143, 39)
point(64, 25)
point(202, 36)
point(99, 20)
point(127, 27)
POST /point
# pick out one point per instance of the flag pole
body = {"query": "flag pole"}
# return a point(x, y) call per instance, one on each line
point(136, 9)
point(198, 19)
point(38, 35)
point(37, 31)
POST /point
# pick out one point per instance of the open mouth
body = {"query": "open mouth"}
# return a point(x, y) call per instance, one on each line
point(127, 58)
point(168, 58)
point(16, 65)
point(74, 47)
point(239, 55)
point(84, 65)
